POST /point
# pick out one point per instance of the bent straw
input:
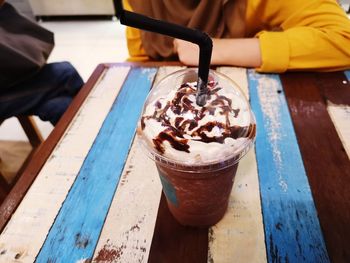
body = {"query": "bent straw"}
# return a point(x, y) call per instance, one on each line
point(173, 30)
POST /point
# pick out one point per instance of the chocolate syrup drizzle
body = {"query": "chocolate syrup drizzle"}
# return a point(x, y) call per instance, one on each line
point(180, 105)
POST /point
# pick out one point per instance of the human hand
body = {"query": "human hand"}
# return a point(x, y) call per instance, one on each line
point(188, 52)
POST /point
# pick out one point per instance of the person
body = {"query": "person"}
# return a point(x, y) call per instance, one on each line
point(270, 36)
point(46, 92)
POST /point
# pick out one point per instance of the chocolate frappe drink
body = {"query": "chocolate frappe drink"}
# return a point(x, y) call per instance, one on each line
point(196, 149)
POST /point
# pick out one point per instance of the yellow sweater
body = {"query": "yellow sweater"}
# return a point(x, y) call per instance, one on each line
point(313, 35)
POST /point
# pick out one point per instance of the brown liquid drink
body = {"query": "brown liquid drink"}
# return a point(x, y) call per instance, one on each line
point(197, 149)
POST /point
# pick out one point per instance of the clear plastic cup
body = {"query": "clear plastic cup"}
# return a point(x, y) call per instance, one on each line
point(196, 149)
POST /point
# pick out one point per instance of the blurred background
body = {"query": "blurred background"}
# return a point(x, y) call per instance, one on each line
point(86, 34)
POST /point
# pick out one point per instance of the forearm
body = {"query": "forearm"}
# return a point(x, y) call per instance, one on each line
point(304, 48)
point(242, 52)
point(314, 35)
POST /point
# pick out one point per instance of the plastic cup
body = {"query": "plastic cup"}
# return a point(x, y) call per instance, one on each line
point(196, 165)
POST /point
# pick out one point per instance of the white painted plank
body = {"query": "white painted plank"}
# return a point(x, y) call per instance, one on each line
point(128, 230)
point(239, 76)
point(24, 235)
point(239, 236)
point(340, 115)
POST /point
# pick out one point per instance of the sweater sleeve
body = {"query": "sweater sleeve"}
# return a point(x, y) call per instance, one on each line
point(134, 42)
point(316, 37)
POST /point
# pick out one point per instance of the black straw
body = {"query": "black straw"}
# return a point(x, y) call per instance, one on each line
point(173, 30)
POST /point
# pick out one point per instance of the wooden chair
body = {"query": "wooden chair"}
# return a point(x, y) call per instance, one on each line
point(35, 139)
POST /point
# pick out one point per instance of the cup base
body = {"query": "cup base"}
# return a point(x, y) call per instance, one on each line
point(197, 220)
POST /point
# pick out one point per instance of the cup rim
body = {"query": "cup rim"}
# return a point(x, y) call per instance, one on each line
point(212, 165)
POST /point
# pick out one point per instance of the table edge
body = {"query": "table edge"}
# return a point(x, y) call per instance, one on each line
point(17, 193)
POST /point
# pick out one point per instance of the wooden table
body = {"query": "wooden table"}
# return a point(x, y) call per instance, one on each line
point(91, 194)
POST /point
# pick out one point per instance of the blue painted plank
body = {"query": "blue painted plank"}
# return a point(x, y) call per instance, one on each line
point(292, 229)
point(347, 74)
point(75, 233)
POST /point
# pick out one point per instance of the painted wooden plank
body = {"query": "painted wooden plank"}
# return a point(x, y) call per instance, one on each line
point(325, 160)
point(347, 74)
point(128, 230)
point(25, 233)
point(239, 236)
point(173, 243)
point(340, 115)
point(292, 229)
point(335, 88)
point(238, 75)
point(82, 215)
point(127, 233)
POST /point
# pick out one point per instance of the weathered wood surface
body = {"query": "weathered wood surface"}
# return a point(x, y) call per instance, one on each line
point(335, 89)
point(24, 235)
point(17, 193)
point(291, 225)
point(239, 236)
point(82, 215)
point(347, 74)
point(173, 243)
point(127, 233)
point(326, 162)
point(340, 115)
point(292, 230)
point(128, 230)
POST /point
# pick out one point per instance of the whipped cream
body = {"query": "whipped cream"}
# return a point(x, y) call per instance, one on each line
point(180, 130)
